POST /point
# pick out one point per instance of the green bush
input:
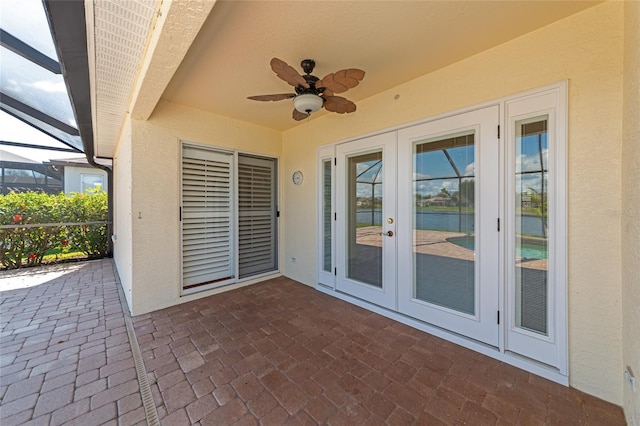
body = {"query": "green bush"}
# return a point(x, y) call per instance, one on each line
point(88, 207)
point(27, 246)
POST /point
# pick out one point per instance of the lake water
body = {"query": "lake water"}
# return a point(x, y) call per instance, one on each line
point(451, 221)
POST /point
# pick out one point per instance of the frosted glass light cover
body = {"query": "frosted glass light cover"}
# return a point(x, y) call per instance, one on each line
point(307, 103)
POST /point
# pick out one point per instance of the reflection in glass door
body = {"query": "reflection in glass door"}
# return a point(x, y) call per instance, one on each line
point(531, 230)
point(536, 227)
point(448, 261)
point(365, 225)
point(364, 218)
point(443, 222)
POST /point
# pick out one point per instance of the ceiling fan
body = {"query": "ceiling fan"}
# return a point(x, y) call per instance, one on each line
point(312, 93)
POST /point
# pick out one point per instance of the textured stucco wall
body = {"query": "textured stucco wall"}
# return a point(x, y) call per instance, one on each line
point(123, 235)
point(586, 49)
point(630, 212)
point(155, 196)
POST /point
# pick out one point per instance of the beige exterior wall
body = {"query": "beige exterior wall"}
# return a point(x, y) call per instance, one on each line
point(155, 198)
point(631, 210)
point(586, 49)
point(123, 235)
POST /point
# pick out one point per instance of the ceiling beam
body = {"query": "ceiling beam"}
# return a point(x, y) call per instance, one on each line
point(177, 25)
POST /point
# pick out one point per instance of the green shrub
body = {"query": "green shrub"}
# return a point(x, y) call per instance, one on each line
point(27, 246)
point(88, 207)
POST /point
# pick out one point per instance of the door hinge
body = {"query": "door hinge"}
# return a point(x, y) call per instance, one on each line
point(335, 161)
point(180, 213)
point(498, 224)
point(335, 271)
point(335, 216)
point(498, 131)
point(278, 213)
point(498, 317)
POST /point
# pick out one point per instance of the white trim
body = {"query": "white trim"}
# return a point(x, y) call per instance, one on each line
point(553, 348)
point(481, 323)
point(325, 277)
point(559, 271)
point(386, 145)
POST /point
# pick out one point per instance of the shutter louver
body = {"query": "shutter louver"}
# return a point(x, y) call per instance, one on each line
point(257, 216)
point(207, 201)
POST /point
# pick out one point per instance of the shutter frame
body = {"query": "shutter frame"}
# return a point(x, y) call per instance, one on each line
point(207, 216)
point(257, 216)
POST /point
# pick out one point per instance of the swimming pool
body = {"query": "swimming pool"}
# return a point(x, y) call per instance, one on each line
point(529, 248)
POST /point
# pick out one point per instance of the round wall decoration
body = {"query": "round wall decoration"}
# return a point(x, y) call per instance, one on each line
point(297, 177)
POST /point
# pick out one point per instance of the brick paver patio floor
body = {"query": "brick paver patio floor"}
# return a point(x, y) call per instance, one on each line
point(274, 353)
point(280, 352)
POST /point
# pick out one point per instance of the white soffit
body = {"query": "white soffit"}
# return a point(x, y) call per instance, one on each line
point(118, 33)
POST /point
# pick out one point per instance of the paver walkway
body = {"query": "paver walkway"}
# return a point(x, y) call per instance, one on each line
point(65, 356)
point(272, 353)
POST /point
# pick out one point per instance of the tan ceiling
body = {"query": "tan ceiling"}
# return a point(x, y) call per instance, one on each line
point(211, 54)
point(393, 41)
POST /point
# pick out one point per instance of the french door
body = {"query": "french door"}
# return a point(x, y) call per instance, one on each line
point(416, 222)
point(365, 223)
point(448, 238)
point(449, 223)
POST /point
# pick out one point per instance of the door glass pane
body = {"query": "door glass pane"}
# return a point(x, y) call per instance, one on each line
point(531, 224)
point(443, 222)
point(364, 213)
point(326, 215)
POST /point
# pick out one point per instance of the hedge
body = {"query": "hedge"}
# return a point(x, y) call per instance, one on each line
point(27, 246)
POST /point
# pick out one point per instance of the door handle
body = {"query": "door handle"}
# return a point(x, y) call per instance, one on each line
point(389, 233)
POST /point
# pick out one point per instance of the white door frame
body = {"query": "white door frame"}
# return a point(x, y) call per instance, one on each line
point(483, 324)
point(386, 295)
point(552, 348)
point(559, 371)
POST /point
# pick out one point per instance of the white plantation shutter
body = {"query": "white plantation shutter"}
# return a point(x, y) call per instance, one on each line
point(257, 211)
point(207, 224)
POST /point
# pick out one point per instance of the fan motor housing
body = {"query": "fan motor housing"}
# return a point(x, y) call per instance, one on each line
point(308, 65)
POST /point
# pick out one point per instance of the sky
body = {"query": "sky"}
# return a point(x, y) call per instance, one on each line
point(435, 165)
point(14, 130)
point(29, 83)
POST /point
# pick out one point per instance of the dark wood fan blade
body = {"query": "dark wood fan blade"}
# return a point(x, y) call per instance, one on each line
point(287, 73)
point(277, 97)
point(342, 80)
point(339, 104)
point(298, 116)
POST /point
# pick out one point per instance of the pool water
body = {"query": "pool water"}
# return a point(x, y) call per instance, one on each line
point(528, 248)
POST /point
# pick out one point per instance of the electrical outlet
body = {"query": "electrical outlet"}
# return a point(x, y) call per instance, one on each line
point(629, 377)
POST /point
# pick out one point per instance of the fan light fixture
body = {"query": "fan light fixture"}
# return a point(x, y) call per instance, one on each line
point(307, 103)
point(311, 93)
